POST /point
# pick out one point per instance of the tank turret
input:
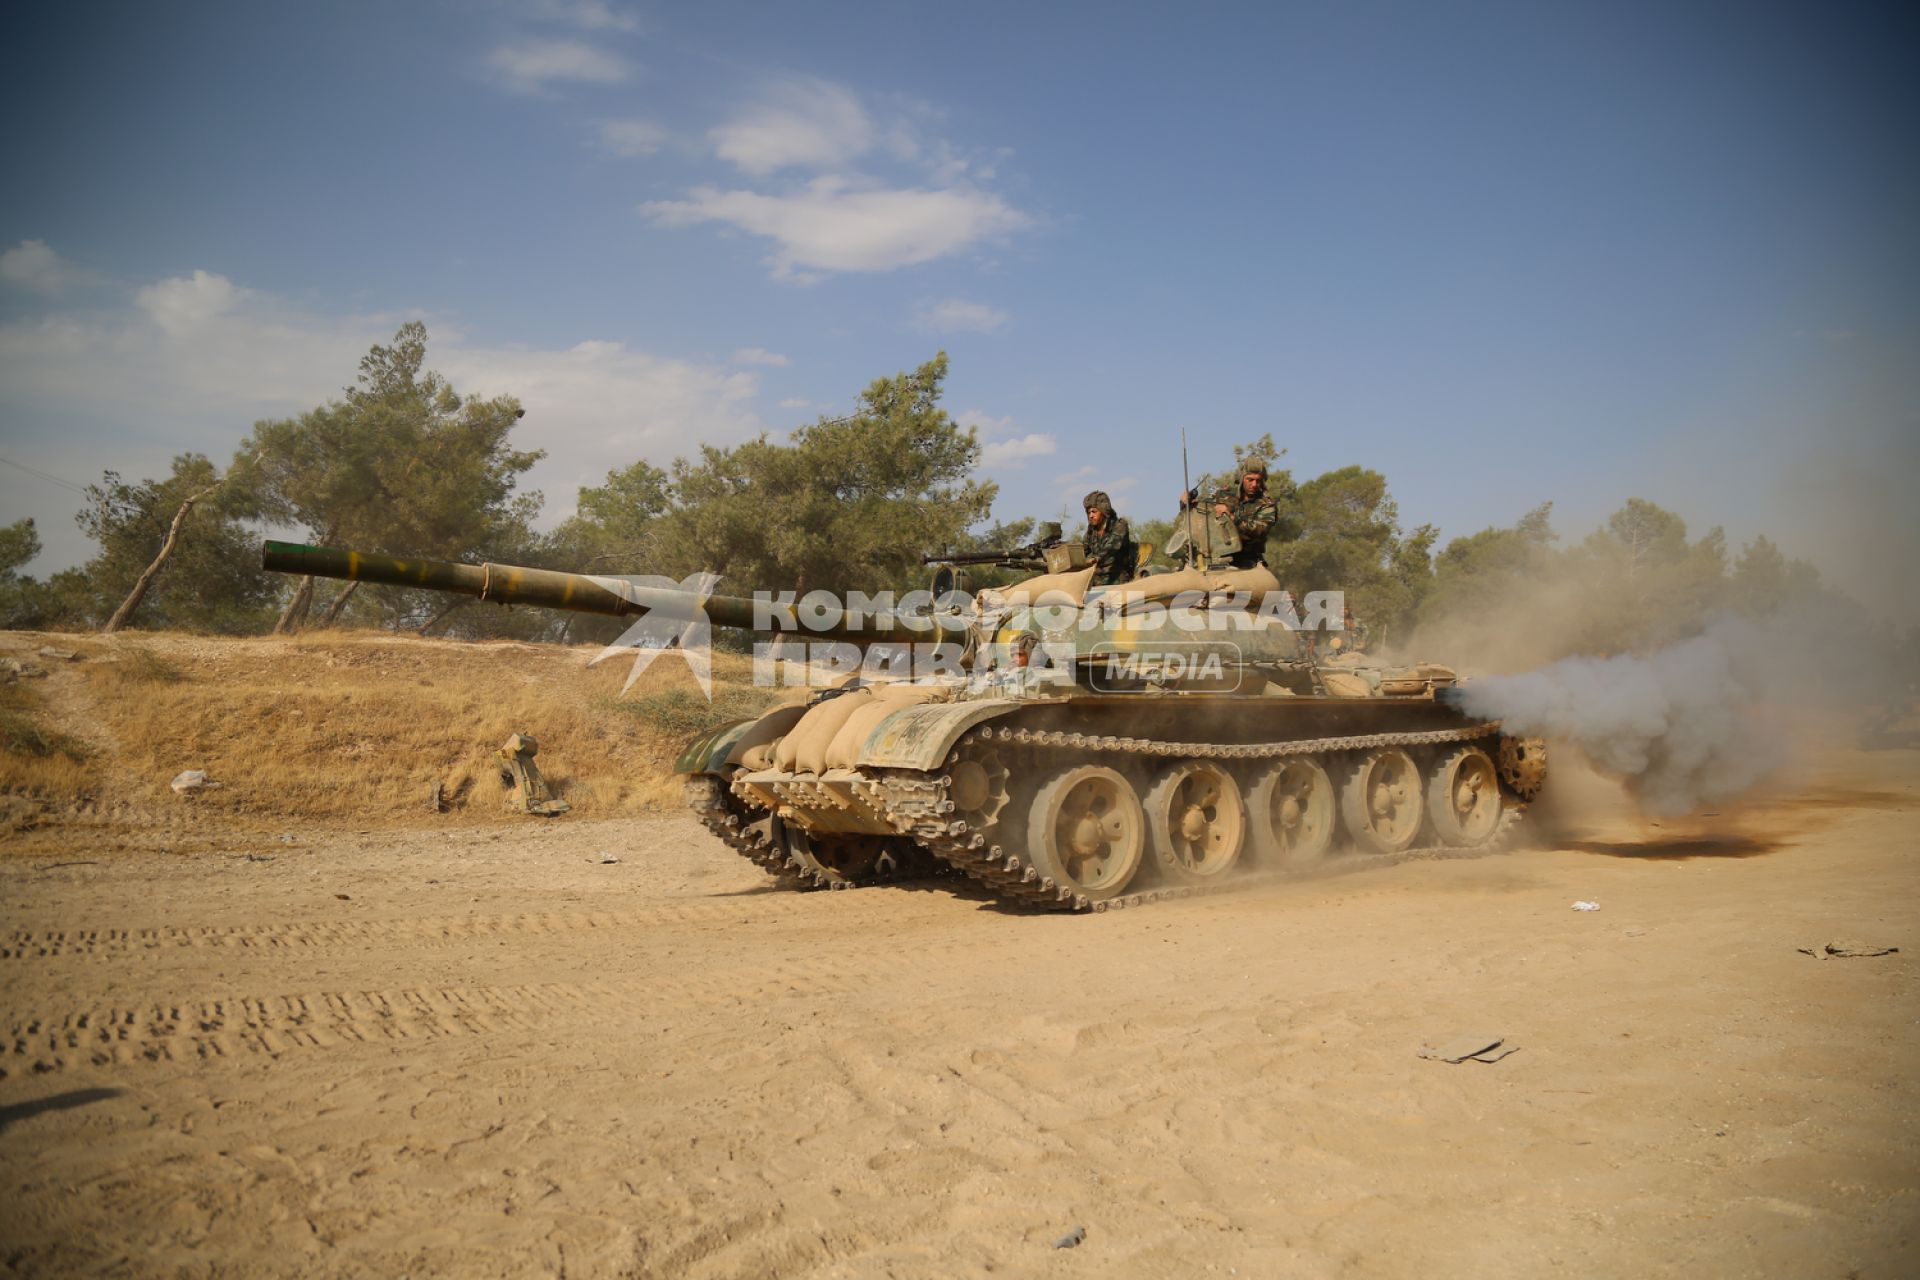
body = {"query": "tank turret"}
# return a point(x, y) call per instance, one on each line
point(1066, 746)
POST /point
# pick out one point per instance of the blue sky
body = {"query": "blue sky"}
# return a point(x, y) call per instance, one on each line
point(1503, 252)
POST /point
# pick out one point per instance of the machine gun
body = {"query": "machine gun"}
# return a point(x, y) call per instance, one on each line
point(1046, 552)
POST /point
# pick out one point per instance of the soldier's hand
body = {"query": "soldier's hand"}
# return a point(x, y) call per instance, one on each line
point(1220, 508)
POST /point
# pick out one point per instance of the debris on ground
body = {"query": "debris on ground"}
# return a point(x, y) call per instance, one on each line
point(1072, 1239)
point(607, 859)
point(1469, 1048)
point(530, 792)
point(1846, 949)
point(1586, 906)
point(12, 669)
point(59, 655)
point(191, 780)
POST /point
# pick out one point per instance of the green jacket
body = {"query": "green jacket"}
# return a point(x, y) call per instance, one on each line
point(1252, 519)
point(1113, 551)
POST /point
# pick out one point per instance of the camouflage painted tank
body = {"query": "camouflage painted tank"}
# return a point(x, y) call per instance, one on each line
point(1068, 747)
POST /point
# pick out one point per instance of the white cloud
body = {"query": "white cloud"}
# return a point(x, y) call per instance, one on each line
point(795, 402)
point(32, 264)
point(186, 303)
point(1004, 445)
point(836, 215)
point(532, 65)
point(986, 424)
point(1074, 485)
point(597, 405)
point(760, 355)
point(197, 360)
point(1002, 453)
point(832, 227)
point(803, 122)
point(954, 315)
point(632, 137)
point(588, 15)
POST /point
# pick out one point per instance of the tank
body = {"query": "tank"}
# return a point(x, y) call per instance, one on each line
point(1065, 746)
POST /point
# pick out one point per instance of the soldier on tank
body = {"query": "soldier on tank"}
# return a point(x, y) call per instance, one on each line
point(1109, 542)
point(1252, 510)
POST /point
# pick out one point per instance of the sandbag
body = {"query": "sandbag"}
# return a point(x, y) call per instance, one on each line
point(804, 750)
point(1050, 588)
point(1346, 684)
point(1256, 582)
point(1160, 587)
point(844, 751)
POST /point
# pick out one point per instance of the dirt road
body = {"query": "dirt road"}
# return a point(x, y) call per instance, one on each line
point(491, 1053)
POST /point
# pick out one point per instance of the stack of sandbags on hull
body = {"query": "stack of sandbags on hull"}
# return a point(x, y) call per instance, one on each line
point(1049, 588)
point(1253, 585)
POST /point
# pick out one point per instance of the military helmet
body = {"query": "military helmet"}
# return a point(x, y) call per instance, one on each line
point(1098, 500)
point(1254, 465)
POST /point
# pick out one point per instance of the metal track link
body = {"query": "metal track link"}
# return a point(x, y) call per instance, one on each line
point(920, 807)
point(707, 797)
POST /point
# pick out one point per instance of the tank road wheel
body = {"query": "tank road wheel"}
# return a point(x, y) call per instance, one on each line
point(832, 861)
point(1087, 832)
point(1293, 819)
point(1381, 801)
point(1523, 765)
point(1198, 820)
point(1463, 797)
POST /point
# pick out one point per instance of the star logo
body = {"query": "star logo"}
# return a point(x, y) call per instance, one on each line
point(675, 618)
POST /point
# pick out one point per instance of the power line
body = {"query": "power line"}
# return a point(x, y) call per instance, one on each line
point(41, 475)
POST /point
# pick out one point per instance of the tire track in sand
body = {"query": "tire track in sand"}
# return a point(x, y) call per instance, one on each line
point(110, 1033)
point(291, 936)
point(113, 1031)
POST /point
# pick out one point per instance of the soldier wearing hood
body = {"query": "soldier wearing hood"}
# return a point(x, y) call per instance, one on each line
point(1252, 510)
point(1109, 542)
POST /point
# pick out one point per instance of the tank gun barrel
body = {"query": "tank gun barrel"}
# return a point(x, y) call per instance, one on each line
point(572, 592)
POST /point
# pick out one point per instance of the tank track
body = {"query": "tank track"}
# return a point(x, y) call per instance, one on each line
point(707, 797)
point(919, 805)
point(921, 801)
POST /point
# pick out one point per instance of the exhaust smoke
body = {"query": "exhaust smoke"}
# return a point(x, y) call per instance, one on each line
point(1680, 727)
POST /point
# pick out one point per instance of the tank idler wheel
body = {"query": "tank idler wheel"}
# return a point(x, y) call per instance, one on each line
point(1087, 832)
point(1463, 797)
point(1293, 819)
point(1382, 801)
point(1198, 820)
point(1523, 765)
point(833, 861)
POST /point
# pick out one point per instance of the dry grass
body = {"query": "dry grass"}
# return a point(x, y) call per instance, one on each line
point(36, 759)
point(357, 727)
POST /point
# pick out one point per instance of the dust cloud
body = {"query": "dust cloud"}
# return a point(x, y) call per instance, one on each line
point(1681, 727)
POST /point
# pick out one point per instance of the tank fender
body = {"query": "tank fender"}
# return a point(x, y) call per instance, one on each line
point(919, 737)
point(705, 752)
point(713, 750)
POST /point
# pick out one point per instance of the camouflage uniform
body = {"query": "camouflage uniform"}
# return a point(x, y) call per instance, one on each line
point(1111, 547)
point(1252, 517)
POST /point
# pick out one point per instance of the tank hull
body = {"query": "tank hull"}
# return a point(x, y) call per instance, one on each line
point(1091, 802)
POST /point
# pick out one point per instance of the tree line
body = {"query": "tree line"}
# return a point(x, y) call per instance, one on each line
point(401, 463)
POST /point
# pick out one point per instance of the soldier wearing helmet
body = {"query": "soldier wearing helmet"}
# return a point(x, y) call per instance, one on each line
point(1109, 542)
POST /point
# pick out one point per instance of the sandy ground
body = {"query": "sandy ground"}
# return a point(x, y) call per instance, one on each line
point(489, 1053)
